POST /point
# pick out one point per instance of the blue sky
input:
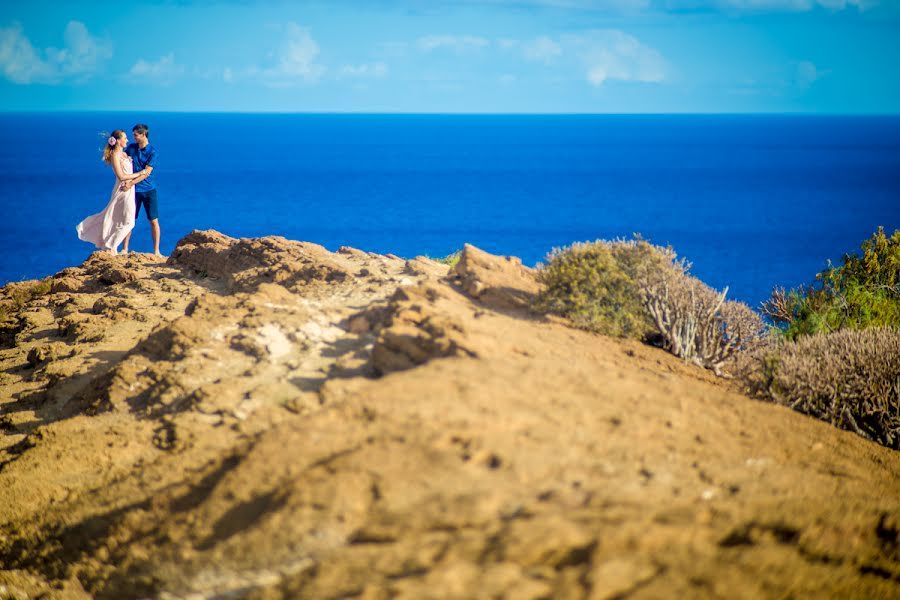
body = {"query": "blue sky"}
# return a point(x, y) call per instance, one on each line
point(495, 56)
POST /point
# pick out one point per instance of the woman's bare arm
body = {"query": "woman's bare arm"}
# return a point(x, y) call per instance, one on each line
point(121, 175)
point(138, 177)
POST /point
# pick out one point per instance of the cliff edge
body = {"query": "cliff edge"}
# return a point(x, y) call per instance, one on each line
point(263, 418)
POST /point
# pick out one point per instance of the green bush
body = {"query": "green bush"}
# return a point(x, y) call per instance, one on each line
point(451, 259)
point(863, 292)
point(594, 285)
point(849, 378)
point(878, 267)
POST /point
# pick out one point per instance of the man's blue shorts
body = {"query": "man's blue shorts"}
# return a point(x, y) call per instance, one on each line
point(148, 199)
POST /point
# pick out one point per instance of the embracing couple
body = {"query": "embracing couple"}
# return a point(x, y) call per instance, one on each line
point(133, 165)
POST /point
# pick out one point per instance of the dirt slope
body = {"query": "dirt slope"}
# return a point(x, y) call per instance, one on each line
point(263, 418)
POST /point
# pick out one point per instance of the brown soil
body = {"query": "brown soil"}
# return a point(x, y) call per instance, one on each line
point(262, 418)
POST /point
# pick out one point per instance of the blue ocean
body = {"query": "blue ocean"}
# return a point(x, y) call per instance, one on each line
point(752, 201)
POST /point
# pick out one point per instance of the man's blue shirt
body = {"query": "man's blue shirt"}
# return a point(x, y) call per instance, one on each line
point(141, 158)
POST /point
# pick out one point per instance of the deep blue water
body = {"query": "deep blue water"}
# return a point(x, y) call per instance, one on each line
point(752, 201)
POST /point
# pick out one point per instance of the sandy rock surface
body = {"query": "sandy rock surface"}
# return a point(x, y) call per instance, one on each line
point(263, 418)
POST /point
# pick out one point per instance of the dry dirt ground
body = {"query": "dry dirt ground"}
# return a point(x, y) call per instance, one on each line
point(261, 418)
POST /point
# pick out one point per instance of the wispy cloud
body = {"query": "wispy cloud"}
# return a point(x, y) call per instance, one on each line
point(365, 71)
point(601, 5)
point(82, 56)
point(595, 56)
point(806, 73)
point(767, 5)
point(20, 62)
point(455, 43)
point(295, 61)
point(392, 49)
point(163, 71)
point(638, 6)
point(542, 49)
point(612, 54)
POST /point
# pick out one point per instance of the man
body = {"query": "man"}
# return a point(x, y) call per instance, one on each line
point(143, 159)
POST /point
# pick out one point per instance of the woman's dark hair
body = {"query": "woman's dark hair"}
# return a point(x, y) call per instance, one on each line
point(140, 128)
point(107, 149)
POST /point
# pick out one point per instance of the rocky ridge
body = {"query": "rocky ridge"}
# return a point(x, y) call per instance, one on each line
point(264, 418)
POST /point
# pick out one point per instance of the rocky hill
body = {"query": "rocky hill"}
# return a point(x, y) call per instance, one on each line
point(262, 418)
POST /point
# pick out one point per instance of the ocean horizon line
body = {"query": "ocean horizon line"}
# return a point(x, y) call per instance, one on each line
point(460, 113)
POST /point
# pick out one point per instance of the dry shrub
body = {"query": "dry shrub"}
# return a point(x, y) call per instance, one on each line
point(849, 378)
point(696, 322)
point(635, 289)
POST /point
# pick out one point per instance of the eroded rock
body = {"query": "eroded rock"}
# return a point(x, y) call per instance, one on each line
point(497, 281)
point(415, 333)
point(246, 264)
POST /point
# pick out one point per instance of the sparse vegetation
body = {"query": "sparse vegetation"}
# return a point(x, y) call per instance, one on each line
point(635, 289)
point(850, 379)
point(17, 295)
point(451, 259)
point(696, 322)
point(840, 356)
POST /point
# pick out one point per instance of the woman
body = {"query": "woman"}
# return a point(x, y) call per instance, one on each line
point(107, 229)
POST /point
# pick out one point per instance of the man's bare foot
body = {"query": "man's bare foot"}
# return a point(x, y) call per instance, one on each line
point(159, 254)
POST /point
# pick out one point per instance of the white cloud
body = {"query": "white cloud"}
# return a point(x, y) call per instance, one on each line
point(80, 58)
point(228, 75)
point(601, 5)
point(458, 44)
point(639, 6)
point(370, 71)
point(806, 73)
point(83, 53)
point(768, 5)
point(163, 71)
point(392, 49)
point(18, 58)
point(542, 49)
point(612, 54)
point(296, 59)
point(600, 55)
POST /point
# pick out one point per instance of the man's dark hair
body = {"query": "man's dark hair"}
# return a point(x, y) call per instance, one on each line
point(140, 128)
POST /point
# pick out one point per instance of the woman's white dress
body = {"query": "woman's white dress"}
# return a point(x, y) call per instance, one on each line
point(108, 229)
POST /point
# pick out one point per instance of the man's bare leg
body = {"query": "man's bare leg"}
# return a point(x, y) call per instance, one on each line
point(154, 232)
point(125, 243)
